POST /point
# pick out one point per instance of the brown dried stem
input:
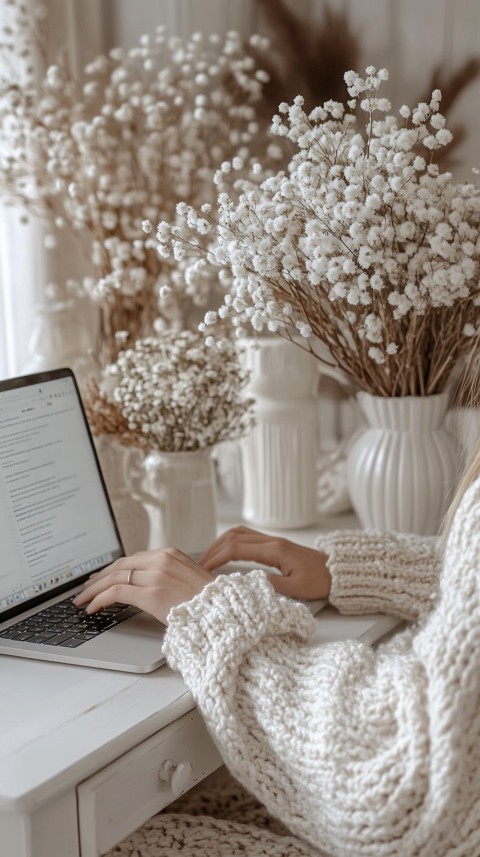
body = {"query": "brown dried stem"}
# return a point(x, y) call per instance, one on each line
point(306, 58)
point(105, 418)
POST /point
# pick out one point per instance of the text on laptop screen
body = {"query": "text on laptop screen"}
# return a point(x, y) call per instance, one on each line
point(55, 522)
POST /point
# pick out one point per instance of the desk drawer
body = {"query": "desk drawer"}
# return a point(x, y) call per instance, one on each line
point(119, 798)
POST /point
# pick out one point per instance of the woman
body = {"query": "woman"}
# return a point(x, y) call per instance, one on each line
point(359, 752)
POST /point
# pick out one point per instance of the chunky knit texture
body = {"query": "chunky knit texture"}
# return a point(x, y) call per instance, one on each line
point(381, 572)
point(361, 752)
point(191, 836)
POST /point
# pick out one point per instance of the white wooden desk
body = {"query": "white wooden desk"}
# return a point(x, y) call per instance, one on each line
point(81, 749)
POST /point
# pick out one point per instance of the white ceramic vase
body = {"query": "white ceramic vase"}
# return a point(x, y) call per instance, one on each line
point(179, 493)
point(58, 339)
point(402, 468)
point(118, 462)
point(279, 455)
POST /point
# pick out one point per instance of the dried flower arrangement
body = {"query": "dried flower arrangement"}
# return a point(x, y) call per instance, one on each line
point(144, 128)
point(363, 246)
point(172, 394)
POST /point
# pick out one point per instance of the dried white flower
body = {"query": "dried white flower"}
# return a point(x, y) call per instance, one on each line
point(178, 393)
point(107, 158)
point(358, 220)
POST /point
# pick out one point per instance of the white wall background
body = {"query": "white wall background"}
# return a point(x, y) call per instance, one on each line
point(126, 20)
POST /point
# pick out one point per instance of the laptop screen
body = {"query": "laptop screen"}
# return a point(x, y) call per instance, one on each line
point(56, 523)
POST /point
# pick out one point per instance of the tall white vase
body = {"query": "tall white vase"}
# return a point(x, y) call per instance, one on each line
point(279, 455)
point(402, 468)
point(179, 493)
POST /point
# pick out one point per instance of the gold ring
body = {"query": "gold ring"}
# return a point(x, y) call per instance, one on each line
point(129, 578)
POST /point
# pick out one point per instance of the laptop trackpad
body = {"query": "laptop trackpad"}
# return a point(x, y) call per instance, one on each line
point(134, 642)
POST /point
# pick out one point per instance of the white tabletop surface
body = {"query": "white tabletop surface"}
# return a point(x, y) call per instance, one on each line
point(59, 722)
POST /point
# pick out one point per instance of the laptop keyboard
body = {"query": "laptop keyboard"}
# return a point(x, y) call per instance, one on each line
point(64, 624)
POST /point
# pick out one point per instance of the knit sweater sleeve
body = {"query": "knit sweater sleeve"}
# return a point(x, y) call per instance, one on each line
point(360, 751)
point(382, 572)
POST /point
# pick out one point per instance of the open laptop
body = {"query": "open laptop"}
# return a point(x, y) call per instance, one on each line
point(56, 528)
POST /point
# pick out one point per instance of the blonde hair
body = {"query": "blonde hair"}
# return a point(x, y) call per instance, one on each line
point(471, 472)
point(466, 398)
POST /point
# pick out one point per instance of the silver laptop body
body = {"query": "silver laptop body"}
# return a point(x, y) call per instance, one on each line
point(56, 528)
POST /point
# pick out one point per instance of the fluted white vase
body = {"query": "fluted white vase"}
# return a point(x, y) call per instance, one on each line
point(403, 467)
point(279, 455)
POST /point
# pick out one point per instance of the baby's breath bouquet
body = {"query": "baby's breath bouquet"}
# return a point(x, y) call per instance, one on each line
point(362, 245)
point(95, 156)
point(173, 394)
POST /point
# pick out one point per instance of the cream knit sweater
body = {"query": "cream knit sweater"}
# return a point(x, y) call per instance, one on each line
point(358, 751)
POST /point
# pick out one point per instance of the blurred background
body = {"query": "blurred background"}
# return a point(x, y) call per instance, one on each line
point(412, 39)
point(423, 44)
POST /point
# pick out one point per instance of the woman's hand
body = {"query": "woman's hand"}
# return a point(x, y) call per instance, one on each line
point(304, 572)
point(161, 579)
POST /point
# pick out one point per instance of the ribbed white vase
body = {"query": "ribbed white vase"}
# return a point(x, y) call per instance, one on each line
point(279, 455)
point(402, 469)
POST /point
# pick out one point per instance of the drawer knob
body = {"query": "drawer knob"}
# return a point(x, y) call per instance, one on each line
point(180, 776)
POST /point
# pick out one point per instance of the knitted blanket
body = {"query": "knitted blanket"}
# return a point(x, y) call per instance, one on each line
point(218, 820)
